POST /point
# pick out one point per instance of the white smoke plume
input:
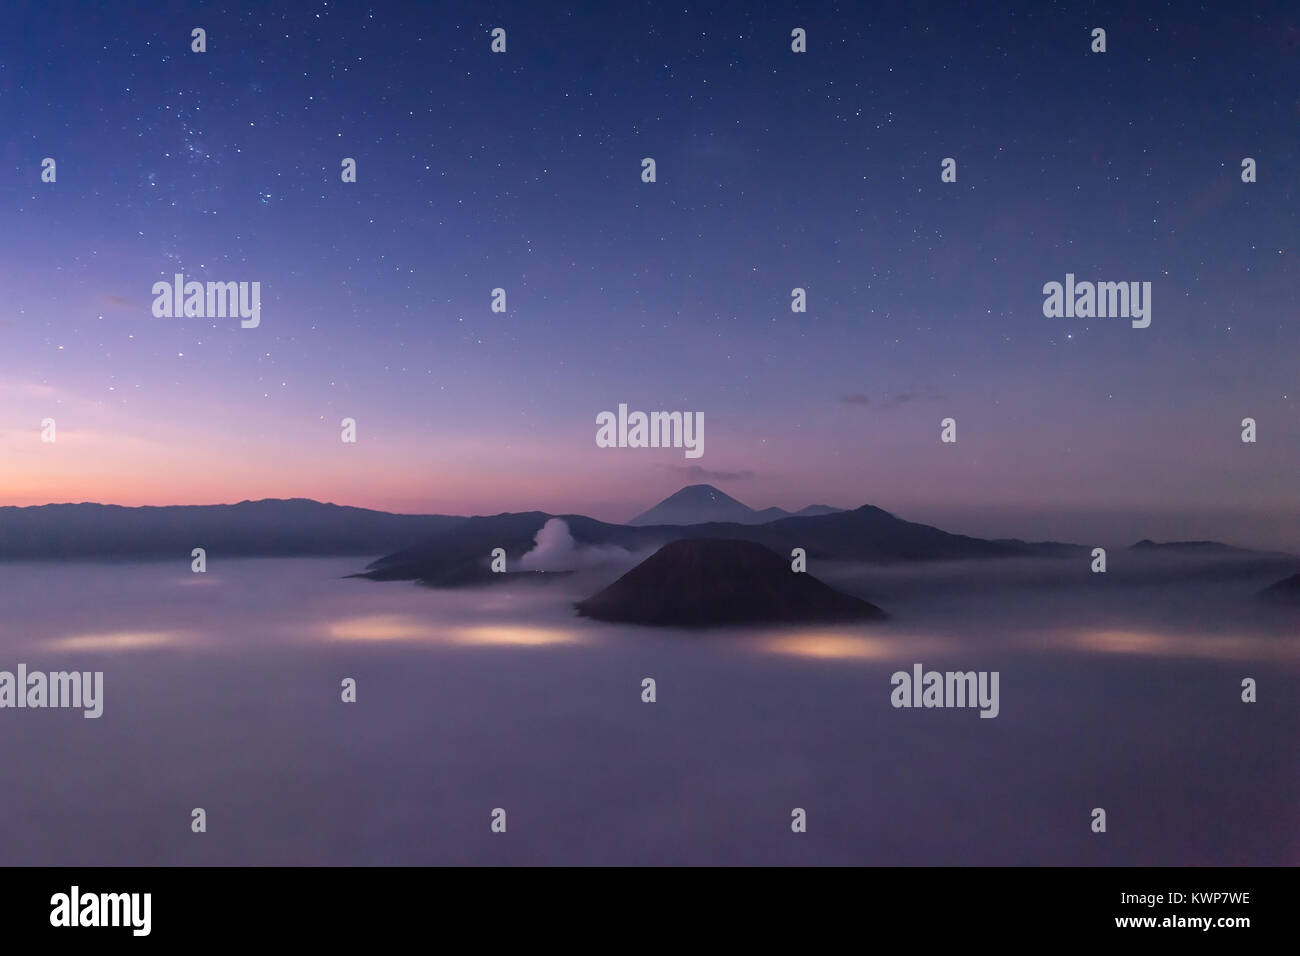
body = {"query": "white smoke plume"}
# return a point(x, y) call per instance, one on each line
point(555, 550)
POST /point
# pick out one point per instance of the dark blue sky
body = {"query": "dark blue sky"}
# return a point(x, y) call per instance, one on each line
point(775, 170)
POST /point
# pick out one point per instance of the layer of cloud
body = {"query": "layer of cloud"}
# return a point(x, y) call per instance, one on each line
point(896, 400)
point(697, 473)
point(121, 302)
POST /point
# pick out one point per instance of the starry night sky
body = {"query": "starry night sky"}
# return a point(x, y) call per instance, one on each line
point(775, 170)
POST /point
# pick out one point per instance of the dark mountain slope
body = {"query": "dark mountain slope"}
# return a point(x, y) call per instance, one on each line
point(1286, 591)
point(701, 504)
point(866, 534)
point(272, 527)
point(709, 582)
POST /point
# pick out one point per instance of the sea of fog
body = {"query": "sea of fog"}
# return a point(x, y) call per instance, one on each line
point(223, 691)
